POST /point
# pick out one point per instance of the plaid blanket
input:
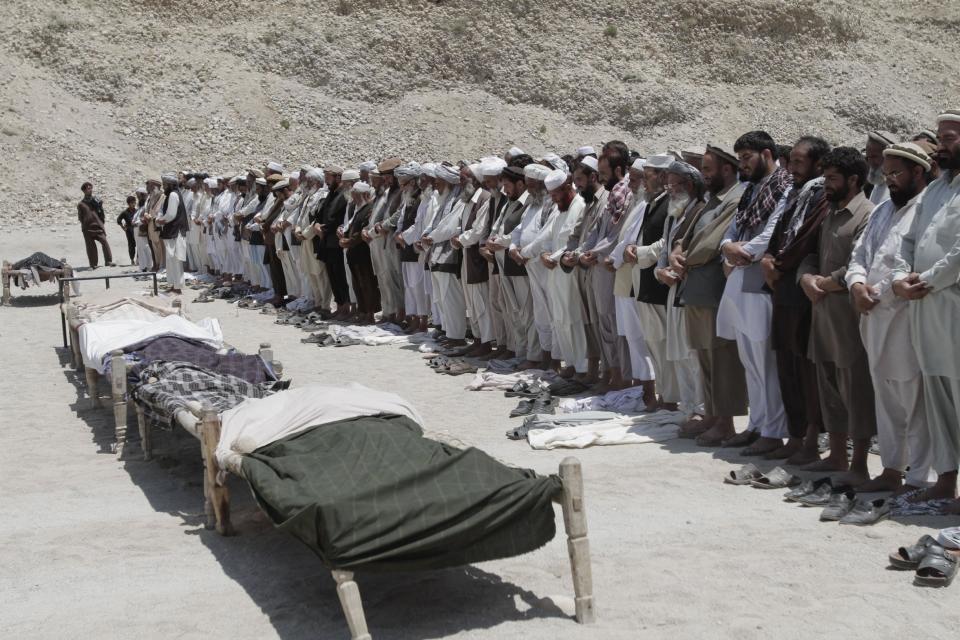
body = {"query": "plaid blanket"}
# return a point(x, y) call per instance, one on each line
point(167, 387)
point(177, 349)
point(754, 211)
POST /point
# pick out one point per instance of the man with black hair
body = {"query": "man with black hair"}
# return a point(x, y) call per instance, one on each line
point(90, 214)
point(125, 220)
point(746, 309)
point(843, 374)
point(792, 239)
point(927, 274)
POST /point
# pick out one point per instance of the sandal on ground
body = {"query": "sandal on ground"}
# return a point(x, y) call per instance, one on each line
point(937, 568)
point(779, 478)
point(742, 439)
point(807, 488)
point(743, 475)
point(909, 558)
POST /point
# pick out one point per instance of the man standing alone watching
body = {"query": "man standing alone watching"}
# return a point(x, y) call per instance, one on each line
point(90, 213)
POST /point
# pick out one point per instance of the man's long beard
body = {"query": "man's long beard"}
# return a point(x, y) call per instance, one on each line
point(589, 193)
point(639, 194)
point(677, 205)
point(468, 190)
point(875, 176)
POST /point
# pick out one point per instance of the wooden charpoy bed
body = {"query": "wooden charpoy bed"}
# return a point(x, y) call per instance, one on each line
point(46, 275)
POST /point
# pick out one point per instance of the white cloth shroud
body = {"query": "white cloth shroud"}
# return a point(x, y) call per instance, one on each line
point(654, 427)
point(629, 400)
point(98, 339)
point(257, 422)
point(492, 381)
point(378, 335)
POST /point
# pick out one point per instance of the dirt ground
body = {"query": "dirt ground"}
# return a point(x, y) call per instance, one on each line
point(95, 548)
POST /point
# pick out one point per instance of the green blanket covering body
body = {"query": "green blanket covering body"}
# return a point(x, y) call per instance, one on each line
point(371, 492)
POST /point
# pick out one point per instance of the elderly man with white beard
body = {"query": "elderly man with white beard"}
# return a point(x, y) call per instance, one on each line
point(415, 297)
point(685, 188)
point(444, 258)
point(283, 228)
point(426, 208)
point(173, 231)
point(315, 271)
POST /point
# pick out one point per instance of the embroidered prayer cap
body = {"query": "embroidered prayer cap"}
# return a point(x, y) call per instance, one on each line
point(256, 173)
point(389, 165)
point(367, 165)
point(724, 152)
point(275, 166)
point(282, 184)
point(950, 115)
point(882, 137)
point(928, 135)
point(585, 151)
point(536, 172)
point(638, 164)
point(515, 151)
point(234, 180)
point(493, 167)
point(555, 179)
point(590, 163)
point(349, 175)
point(448, 173)
point(334, 169)
point(513, 173)
point(659, 161)
point(361, 187)
point(169, 178)
point(928, 147)
point(909, 151)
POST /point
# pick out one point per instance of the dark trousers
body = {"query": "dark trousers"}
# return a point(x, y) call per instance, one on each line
point(276, 272)
point(337, 271)
point(91, 238)
point(365, 286)
point(131, 244)
point(798, 388)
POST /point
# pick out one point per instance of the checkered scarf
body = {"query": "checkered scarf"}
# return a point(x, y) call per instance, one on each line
point(754, 211)
point(167, 387)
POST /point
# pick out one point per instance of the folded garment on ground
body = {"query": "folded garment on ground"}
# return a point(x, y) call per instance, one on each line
point(491, 381)
point(370, 492)
point(902, 506)
point(251, 368)
point(98, 339)
point(949, 538)
point(257, 423)
point(168, 387)
point(629, 400)
point(654, 427)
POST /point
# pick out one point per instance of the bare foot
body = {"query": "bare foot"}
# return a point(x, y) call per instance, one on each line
point(567, 372)
point(762, 446)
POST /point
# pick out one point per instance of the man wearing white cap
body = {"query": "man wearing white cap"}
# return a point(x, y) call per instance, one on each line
point(522, 338)
point(526, 239)
point(902, 432)
point(426, 208)
point(414, 295)
point(567, 309)
point(173, 230)
point(490, 170)
point(444, 257)
point(318, 284)
point(927, 273)
point(474, 274)
point(287, 251)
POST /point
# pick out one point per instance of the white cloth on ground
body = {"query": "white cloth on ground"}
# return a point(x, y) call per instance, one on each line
point(629, 400)
point(654, 427)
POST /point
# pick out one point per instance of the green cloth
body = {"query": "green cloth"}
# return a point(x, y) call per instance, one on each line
point(371, 492)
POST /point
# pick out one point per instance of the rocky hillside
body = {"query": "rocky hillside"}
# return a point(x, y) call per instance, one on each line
point(115, 90)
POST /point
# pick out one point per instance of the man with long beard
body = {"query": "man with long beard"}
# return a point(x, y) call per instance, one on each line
point(928, 274)
point(902, 432)
point(173, 226)
point(444, 257)
point(746, 309)
point(843, 373)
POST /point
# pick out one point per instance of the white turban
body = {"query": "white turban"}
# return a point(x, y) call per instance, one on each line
point(305, 167)
point(169, 178)
point(142, 190)
point(191, 182)
point(350, 174)
point(585, 151)
point(515, 151)
point(475, 170)
point(262, 182)
point(448, 174)
point(212, 183)
point(555, 179)
point(409, 170)
point(428, 169)
point(315, 174)
point(591, 163)
point(275, 166)
point(536, 171)
point(361, 187)
point(493, 167)
point(660, 161)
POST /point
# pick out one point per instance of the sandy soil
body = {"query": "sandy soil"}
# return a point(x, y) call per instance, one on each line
point(90, 547)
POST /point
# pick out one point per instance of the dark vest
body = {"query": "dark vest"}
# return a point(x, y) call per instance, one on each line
point(407, 252)
point(477, 271)
point(496, 206)
point(177, 226)
point(651, 290)
point(512, 218)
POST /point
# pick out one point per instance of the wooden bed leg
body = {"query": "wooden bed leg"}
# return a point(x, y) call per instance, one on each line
point(219, 495)
point(6, 283)
point(145, 436)
point(266, 352)
point(178, 305)
point(118, 386)
point(68, 273)
point(349, 594)
point(92, 391)
point(70, 314)
point(578, 546)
